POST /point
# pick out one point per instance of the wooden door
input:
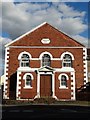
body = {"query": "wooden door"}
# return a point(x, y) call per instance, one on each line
point(45, 85)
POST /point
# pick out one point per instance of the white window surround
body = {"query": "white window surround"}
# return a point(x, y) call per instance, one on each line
point(59, 77)
point(23, 62)
point(67, 61)
point(67, 53)
point(41, 55)
point(24, 77)
point(20, 55)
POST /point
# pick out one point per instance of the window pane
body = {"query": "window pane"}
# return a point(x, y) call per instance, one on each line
point(28, 80)
point(24, 60)
point(63, 80)
point(67, 61)
point(46, 60)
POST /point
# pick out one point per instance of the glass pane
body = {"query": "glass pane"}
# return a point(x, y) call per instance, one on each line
point(63, 80)
point(67, 61)
point(28, 80)
point(25, 60)
point(46, 60)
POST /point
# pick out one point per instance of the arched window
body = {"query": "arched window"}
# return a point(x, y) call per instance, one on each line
point(25, 60)
point(63, 80)
point(28, 77)
point(46, 60)
point(67, 61)
point(28, 81)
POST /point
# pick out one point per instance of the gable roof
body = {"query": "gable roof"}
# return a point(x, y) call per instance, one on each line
point(45, 30)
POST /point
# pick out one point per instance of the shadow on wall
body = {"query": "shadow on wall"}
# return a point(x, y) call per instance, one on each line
point(83, 93)
point(12, 88)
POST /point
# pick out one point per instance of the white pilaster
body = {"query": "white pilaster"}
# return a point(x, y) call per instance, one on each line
point(85, 65)
point(18, 88)
point(73, 94)
point(6, 72)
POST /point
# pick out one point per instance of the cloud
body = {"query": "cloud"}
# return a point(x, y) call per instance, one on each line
point(81, 39)
point(73, 26)
point(45, 0)
point(20, 18)
point(3, 42)
point(7, 0)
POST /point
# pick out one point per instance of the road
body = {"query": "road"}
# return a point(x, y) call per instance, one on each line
point(45, 111)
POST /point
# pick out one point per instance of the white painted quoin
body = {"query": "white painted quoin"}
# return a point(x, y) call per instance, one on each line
point(44, 62)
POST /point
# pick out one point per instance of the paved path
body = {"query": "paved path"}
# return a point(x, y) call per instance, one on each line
point(45, 111)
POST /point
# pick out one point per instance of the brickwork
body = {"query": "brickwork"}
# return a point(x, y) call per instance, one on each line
point(32, 44)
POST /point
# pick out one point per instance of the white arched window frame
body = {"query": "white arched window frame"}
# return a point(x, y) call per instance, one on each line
point(67, 59)
point(63, 81)
point(28, 77)
point(24, 59)
point(45, 61)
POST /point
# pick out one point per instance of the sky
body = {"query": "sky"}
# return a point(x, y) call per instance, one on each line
point(20, 16)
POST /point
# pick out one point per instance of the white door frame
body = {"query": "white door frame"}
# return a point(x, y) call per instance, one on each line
point(38, 83)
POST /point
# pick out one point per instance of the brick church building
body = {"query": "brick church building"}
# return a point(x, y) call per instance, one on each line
point(44, 62)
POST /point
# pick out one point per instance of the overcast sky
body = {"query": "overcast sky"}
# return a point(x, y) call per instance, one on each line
point(19, 18)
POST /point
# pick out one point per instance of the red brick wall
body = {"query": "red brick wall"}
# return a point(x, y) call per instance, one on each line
point(28, 93)
point(60, 92)
point(46, 31)
point(56, 53)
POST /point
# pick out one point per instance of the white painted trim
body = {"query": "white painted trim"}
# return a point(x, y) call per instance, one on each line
point(63, 87)
point(20, 55)
point(63, 69)
point(27, 87)
point(18, 83)
point(6, 72)
point(41, 55)
point(25, 34)
point(24, 77)
point(39, 59)
point(55, 47)
point(73, 88)
point(38, 84)
point(26, 69)
point(85, 65)
point(68, 54)
point(45, 41)
point(25, 99)
point(59, 77)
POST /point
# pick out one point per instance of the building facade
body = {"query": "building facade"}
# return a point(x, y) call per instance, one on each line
point(44, 62)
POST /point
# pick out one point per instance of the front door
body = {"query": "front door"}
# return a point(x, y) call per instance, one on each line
point(45, 85)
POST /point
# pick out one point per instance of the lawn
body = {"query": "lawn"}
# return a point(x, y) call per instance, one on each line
point(45, 101)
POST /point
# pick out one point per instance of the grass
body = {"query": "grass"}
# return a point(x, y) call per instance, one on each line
point(46, 102)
